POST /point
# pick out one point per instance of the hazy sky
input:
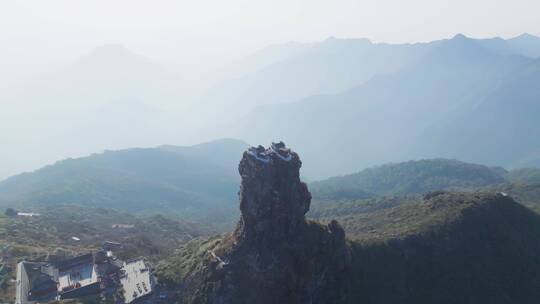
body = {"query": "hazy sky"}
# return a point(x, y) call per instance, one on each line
point(39, 37)
point(176, 31)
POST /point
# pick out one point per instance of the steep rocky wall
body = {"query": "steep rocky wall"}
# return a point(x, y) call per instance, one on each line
point(274, 254)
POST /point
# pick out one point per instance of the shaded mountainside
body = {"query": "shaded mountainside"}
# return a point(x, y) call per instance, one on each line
point(330, 66)
point(527, 194)
point(493, 123)
point(443, 248)
point(526, 44)
point(450, 248)
point(431, 108)
point(410, 177)
point(166, 179)
point(347, 209)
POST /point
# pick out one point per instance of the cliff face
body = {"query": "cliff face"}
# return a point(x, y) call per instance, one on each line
point(274, 254)
point(273, 200)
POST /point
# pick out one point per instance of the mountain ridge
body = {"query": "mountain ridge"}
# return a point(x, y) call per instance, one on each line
point(423, 98)
point(411, 177)
point(140, 180)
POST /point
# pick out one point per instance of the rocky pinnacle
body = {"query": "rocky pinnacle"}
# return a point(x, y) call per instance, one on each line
point(274, 255)
point(273, 200)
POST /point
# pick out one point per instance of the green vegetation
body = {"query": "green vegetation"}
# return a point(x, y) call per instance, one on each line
point(4, 222)
point(402, 184)
point(10, 212)
point(406, 248)
point(442, 248)
point(451, 248)
point(177, 180)
point(407, 178)
point(526, 194)
point(365, 217)
point(344, 208)
point(151, 236)
point(185, 260)
point(524, 175)
point(395, 218)
point(49, 237)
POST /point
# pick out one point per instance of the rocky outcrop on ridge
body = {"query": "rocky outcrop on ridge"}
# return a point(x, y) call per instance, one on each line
point(274, 255)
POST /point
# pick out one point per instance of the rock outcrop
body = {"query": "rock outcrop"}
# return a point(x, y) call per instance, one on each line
point(274, 254)
point(273, 200)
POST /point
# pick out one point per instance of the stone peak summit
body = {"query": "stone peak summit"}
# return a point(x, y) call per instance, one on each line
point(273, 200)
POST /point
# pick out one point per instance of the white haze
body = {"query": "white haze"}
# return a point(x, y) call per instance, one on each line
point(78, 77)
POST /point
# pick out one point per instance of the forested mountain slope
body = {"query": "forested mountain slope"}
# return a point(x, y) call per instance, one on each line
point(410, 177)
point(195, 181)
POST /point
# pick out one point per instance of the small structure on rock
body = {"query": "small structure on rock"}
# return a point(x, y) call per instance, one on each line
point(273, 200)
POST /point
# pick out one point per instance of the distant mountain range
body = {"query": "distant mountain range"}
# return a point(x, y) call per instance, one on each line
point(292, 71)
point(201, 182)
point(345, 105)
point(470, 99)
point(105, 74)
point(322, 97)
point(460, 98)
point(412, 177)
point(111, 98)
point(197, 182)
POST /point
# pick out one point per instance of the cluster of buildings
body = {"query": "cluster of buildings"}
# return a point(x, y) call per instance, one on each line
point(96, 273)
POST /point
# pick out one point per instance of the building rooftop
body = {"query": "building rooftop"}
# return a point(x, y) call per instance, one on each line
point(35, 281)
point(82, 275)
point(136, 280)
point(68, 264)
point(77, 277)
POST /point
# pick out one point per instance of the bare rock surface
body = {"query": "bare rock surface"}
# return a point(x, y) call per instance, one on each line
point(274, 255)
